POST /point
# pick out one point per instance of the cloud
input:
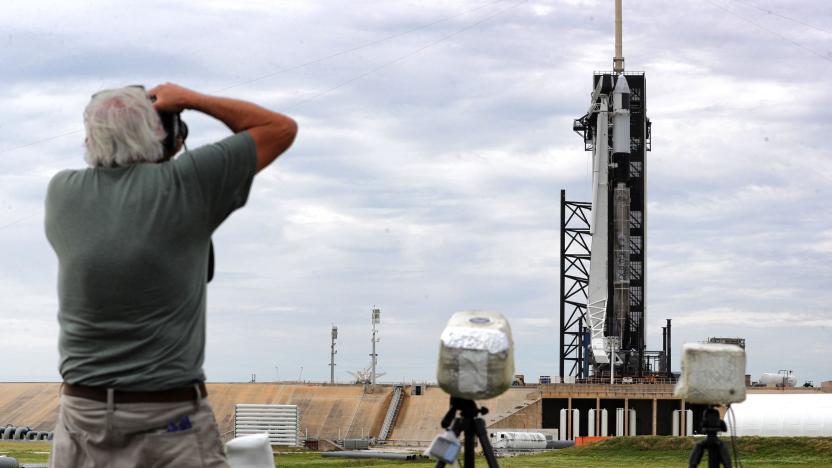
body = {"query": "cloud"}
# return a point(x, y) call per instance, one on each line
point(763, 319)
point(430, 184)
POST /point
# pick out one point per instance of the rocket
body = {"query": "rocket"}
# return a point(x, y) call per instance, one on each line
point(621, 207)
point(614, 115)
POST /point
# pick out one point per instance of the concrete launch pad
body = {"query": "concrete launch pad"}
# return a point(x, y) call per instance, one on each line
point(345, 411)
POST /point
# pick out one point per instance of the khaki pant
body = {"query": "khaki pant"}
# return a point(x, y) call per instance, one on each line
point(92, 434)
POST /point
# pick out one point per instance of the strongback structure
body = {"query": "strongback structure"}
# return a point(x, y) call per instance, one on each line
point(602, 307)
point(574, 279)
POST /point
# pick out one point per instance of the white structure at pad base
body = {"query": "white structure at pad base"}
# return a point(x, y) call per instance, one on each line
point(678, 429)
point(590, 422)
point(604, 423)
point(576, 423)
point(280, 422)
point(250, 451)
point(765, 414)
point(563, 430)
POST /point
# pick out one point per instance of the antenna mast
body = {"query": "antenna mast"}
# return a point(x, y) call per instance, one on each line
point(376, 319)
point(332, 353)
point(618, 60)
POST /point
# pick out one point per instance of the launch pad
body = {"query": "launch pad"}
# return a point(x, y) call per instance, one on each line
point(608, 242)
point(603, 242)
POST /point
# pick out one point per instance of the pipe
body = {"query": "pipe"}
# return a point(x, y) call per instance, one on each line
point(559, 444)
point(20, 432)
point(373, 455)
point(669, 348)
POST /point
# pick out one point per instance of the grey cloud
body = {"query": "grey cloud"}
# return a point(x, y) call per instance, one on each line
point(431, 185)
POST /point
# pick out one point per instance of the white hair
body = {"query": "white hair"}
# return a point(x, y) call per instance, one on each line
point(122, 128)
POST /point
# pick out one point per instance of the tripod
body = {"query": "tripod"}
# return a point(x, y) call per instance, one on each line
point(469, 423)
point(717, 453)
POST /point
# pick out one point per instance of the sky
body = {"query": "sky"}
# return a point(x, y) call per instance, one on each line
point(435, 137)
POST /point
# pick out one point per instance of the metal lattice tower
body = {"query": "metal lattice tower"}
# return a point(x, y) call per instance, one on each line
point(574, 278)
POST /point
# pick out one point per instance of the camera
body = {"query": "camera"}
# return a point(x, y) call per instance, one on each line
point(712, 374)
point(476, 356)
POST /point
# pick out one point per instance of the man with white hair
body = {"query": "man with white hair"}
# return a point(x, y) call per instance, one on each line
point(132, 236)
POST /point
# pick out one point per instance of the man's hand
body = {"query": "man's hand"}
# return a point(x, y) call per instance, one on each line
point(272, 132)
point(170, 97)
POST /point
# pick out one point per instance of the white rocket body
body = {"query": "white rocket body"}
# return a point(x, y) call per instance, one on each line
point(597, 288)
point(597, 292)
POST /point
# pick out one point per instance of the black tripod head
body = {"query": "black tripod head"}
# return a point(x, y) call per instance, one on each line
point(467, 409)
point(463, 417)
point(718, 455)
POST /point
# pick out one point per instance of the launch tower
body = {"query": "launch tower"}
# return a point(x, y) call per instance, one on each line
point(603, 243)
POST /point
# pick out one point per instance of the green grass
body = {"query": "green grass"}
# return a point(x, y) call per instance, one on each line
point(675, 451)
point(640, 452)
point(28, 452)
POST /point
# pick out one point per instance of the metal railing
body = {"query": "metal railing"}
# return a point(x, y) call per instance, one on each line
point(403, 443)
point(392, 412)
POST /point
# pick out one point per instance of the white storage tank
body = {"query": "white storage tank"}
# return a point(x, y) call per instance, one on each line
point(518, 440)
point(784, 414)
point(781, 379)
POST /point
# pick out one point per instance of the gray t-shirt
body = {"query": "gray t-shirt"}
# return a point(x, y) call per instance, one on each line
point(132, 245)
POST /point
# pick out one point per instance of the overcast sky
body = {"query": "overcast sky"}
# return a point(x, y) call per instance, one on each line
point(435, 137)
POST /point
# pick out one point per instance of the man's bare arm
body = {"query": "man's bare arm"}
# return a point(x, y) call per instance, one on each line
point(273, 133)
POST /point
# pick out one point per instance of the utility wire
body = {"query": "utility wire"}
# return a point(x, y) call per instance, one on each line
point(20, 220)
point(774, 13)
point(775, 33)
point(356, 48)
point(732, 422)
point(296, 67)
point(403, 57)
point(37, 142)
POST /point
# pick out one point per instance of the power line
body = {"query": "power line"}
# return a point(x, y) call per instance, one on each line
point(774, 13)
point(17, 221)
point(294, 67)
point(356, 48)
point(775, 33)
point(37, 142)
point(405, 56)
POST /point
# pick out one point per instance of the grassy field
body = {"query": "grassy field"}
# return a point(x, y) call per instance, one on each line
point(641, 452)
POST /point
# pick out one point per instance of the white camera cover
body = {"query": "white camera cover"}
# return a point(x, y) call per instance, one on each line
point(250, 451)
point(712, 373)
point(476, 359)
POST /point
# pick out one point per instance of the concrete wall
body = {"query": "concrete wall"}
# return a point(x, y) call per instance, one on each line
point(420, 416)
point(329, 410)
point(529, 417)
point(325, 410)
point(29, 404)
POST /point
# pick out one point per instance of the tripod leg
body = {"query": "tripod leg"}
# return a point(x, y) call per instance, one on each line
point(468, 426)
point(696, 455)
point(724, 456)
point(487, 449)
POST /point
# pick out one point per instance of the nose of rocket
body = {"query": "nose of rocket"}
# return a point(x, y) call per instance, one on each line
point(621, 85)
